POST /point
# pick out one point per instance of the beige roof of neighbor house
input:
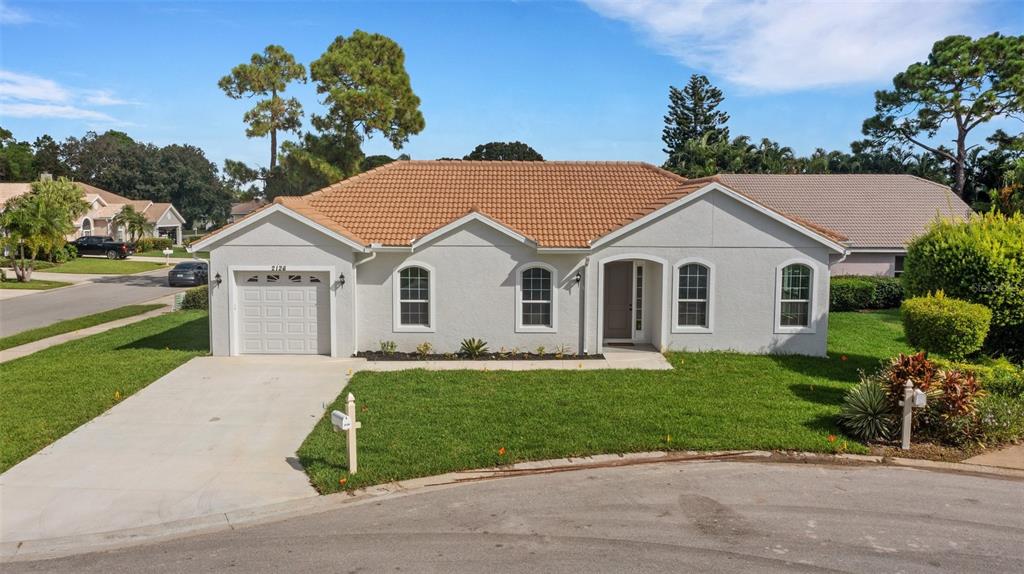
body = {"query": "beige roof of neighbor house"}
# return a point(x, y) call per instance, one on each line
point(246, 207)
point(872, 210)
point(9, 191)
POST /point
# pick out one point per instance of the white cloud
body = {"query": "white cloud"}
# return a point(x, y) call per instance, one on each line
point(61, 111)
point(13, 16)
point(28, 96)
point(779, 45)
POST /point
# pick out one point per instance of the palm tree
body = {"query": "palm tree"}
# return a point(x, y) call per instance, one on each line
point(133, 222)
point(40, 221)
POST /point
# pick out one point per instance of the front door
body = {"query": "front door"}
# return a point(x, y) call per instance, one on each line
point(618, 295)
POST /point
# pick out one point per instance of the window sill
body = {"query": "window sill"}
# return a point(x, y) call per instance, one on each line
point(780, 330)
point(691, 330)
point(528, 329)
point(412, 329)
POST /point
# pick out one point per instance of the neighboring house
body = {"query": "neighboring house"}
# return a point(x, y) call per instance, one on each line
point(522, 255)
point(240, 210)
point(104, 205)
point(879, 214)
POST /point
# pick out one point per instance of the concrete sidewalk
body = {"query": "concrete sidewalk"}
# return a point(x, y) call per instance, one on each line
point(1009, 457)
point(29, 348)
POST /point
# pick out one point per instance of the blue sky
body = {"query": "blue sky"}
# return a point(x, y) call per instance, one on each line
point(576, 80)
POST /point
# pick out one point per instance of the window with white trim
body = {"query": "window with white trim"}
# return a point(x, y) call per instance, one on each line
point(795, 295)
point(414, 297)
point(692, 296)
point(536, 298)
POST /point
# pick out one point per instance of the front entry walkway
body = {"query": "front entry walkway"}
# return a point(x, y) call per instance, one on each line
point(215, 435)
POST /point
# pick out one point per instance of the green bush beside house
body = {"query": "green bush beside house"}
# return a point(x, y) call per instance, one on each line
point(861, 292)
point(944, 325)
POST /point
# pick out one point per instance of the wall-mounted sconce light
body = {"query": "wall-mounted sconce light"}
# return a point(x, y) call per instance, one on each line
point(216, 279)
point(579, 277)
point(341, 279)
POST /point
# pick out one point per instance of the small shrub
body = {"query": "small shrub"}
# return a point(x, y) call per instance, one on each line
point(1000, 419)
point(3, 275)
point(540, 350)
point(850, 293)
point(945, 325)
point(917, 369)
point(959, 392)
point(473, 348)
point(562, 350)
point(196, 298)
point(424, 349)
point(388, 347)
point(867, 413)
point(1006, 383)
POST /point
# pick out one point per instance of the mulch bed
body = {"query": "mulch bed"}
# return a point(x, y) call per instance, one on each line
point(399, 356)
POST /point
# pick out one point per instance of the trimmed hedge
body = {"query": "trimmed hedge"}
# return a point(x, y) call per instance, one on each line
point(944, 325)
point(981, 261)
point(197, 298)
point(858, 292)
point(151, 243)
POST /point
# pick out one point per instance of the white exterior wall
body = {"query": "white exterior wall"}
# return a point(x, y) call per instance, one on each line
point(866, 264)
point(280, 240)
point(745, 248)
point(474, 275)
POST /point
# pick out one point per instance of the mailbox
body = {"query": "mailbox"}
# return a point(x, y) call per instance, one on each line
point(340, 421)
point(168, 252)
point(920, 399)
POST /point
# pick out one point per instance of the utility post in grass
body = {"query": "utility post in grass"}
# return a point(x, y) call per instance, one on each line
point(347, 422)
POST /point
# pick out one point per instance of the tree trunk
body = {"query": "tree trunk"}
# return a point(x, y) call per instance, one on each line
point(21, 269)
point(273, 149)
point(960, 169)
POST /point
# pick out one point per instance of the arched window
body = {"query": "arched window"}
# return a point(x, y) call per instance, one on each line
point(86, 227)
point(536, 298)
point(795, 292)
point(693, 296)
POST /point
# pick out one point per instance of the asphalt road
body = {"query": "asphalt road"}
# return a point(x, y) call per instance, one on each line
point(707, 517)
point(104, 293)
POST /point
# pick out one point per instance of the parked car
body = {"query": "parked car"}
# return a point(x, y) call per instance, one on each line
point(188, 274)
point(102, 245)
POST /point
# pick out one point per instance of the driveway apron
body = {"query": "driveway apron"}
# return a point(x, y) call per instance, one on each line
point(215, 435)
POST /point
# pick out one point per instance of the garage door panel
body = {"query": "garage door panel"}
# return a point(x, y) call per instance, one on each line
point(284, 314)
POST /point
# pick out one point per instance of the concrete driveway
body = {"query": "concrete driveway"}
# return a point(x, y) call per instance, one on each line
point(217, 434)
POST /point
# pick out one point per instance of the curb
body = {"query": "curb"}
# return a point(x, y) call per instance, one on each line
point(29, 550)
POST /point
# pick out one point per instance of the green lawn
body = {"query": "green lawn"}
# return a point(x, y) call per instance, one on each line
point(420, 423)
point(74, 324)
point(179, 252)
point(12, 283)
point(105, 266)
point(50, 393)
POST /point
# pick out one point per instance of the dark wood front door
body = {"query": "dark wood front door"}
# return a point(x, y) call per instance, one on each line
point(618, 296)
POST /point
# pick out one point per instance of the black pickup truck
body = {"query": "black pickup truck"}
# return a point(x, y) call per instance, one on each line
point(102, 245)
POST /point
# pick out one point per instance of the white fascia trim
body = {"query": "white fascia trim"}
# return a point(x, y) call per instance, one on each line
point(676, 327)
point(276, 208)
point(396, 307)
point(390, 248)
point(839, 248)
point(176, 214)
point(812, 319)
point(555, 286)
point(470, 217)
point(563, 250)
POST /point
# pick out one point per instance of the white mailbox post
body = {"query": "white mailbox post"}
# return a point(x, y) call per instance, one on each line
point(167, 256)
point(912, 399)
point(347, 422)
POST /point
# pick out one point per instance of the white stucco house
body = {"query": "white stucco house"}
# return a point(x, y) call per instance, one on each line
point(524, 254)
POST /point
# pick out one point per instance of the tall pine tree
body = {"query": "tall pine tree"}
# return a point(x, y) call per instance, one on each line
point(693, 115)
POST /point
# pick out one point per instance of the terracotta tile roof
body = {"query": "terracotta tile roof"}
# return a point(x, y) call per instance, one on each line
point(872, 210)
point(558, 204)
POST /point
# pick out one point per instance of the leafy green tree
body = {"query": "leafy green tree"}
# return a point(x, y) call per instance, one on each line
point(134, 222)
point(16, 159)
point(504, 151)
point(48, 157)
point(374, 161)
point(693, 115)
point(963, 84)
point(267, 75)
point(367, 90)
point(40, 220)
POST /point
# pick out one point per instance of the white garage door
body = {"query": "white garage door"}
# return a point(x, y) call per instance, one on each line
point(283, 313)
